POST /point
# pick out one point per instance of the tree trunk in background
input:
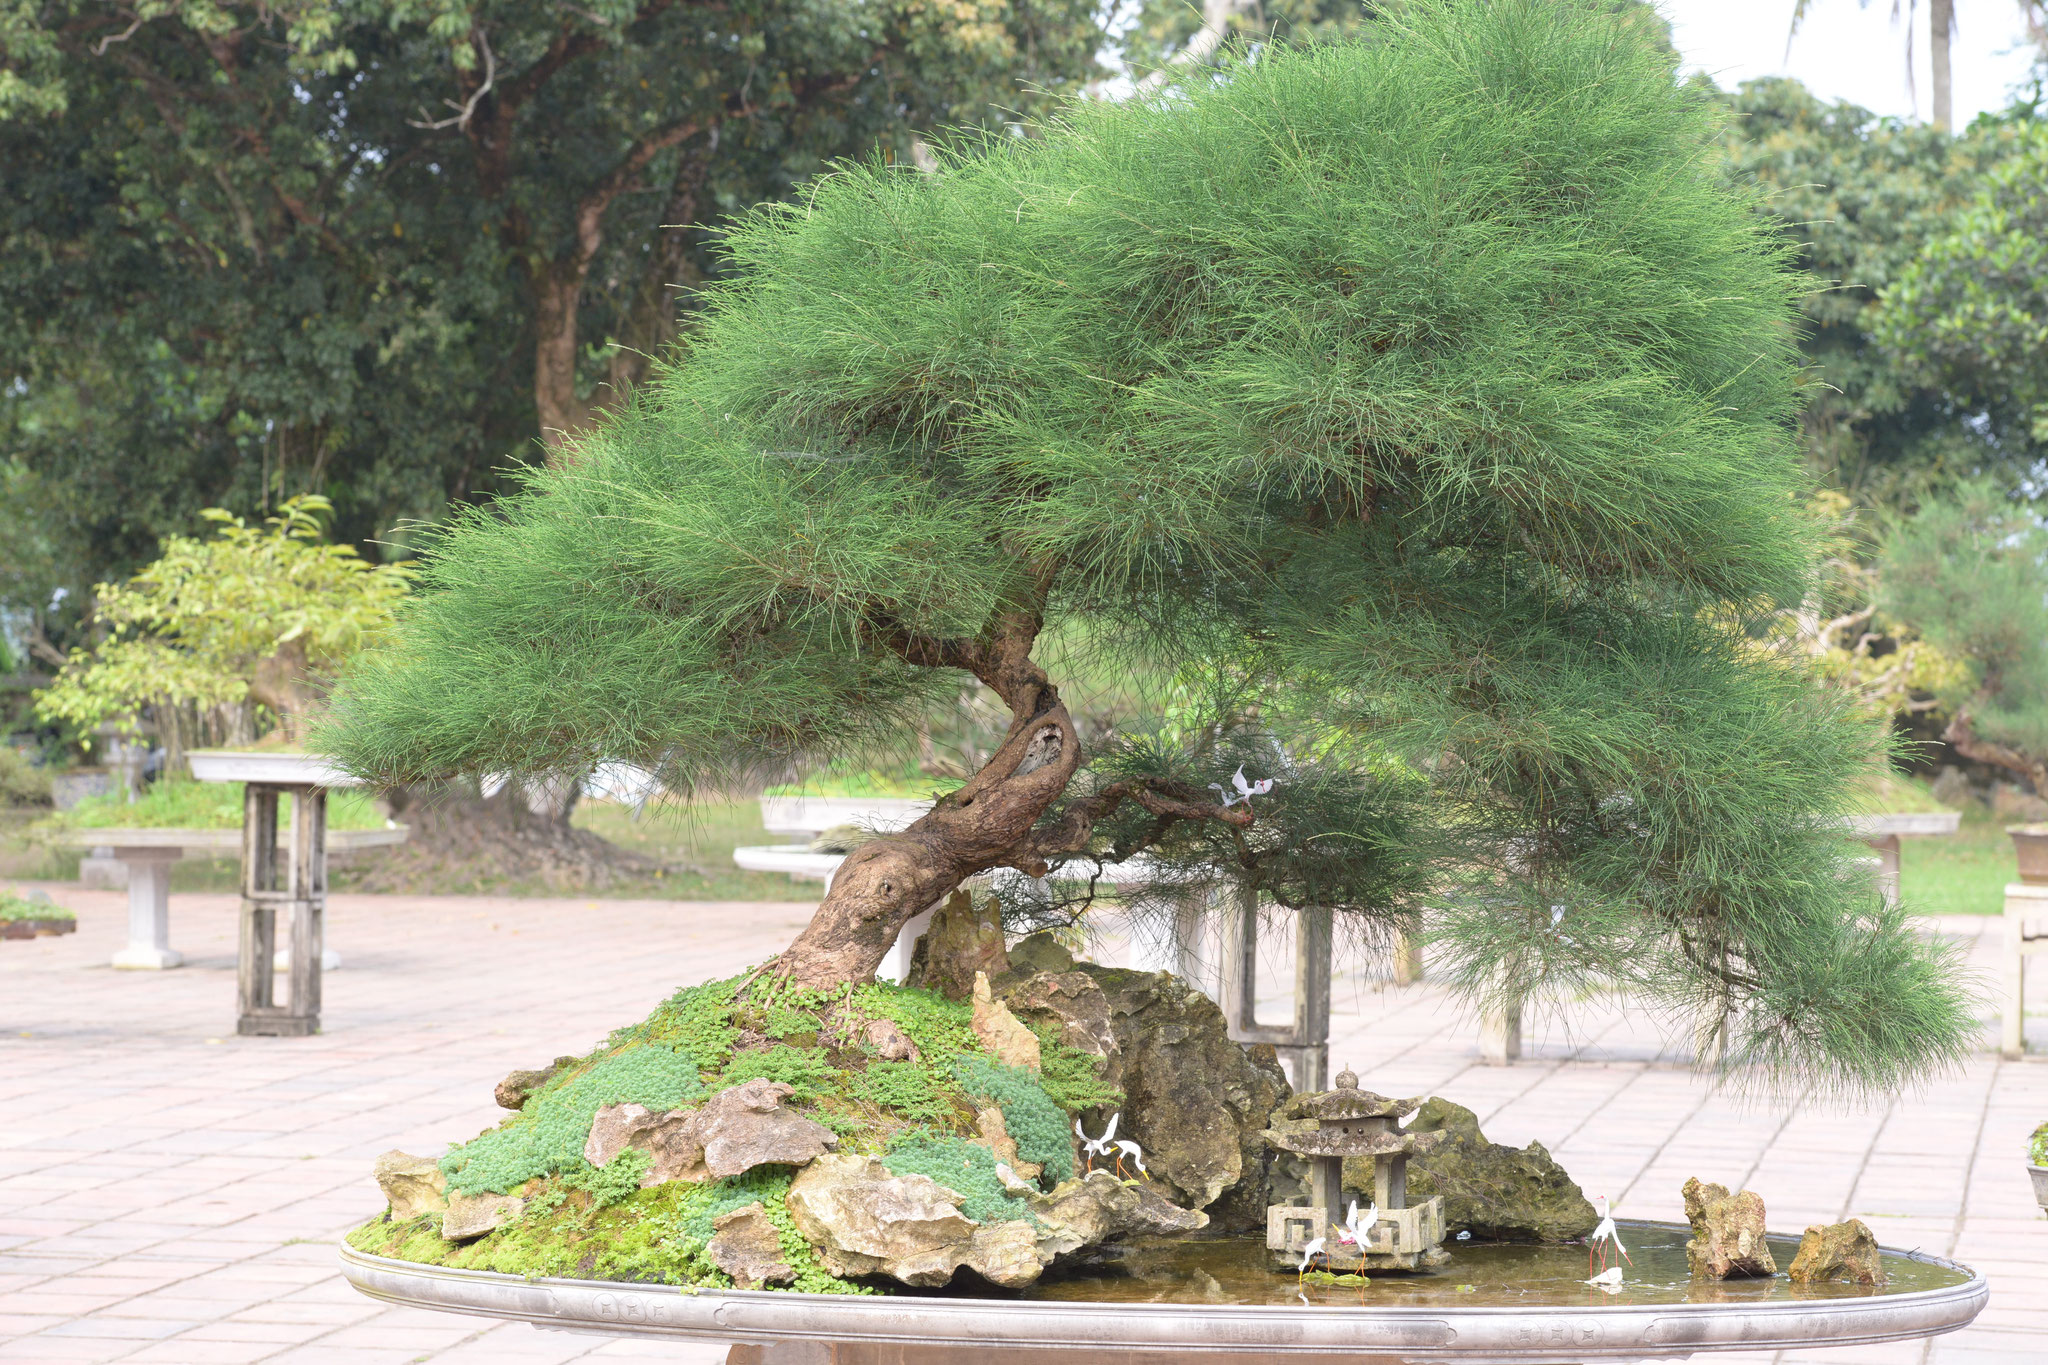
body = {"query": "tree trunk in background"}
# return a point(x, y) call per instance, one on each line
point(460, 839)
point(1941, 21)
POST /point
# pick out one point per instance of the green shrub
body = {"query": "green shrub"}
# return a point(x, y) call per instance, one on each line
point(20, 907)
point(614, 1181)
point(942, 1029)
point(177, 803)
point(807, 1069)
point(548, 1135)
point(22, 783)
point(2037, 1146)
point(1037, 1125)
point(907, 1089)
point(966, 1168)
point(1071, 1078)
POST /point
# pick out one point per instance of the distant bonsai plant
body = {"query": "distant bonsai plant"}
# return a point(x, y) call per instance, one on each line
point(2037, 1147)
point(257, 613)
point(1969, 574)
point(1429, 396)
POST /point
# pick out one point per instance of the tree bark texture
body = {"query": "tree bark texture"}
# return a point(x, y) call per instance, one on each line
point(1962, 736)
point(1941, 22)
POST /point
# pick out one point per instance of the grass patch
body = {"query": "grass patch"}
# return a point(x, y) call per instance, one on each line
point(176, 803)
point(1961, 874)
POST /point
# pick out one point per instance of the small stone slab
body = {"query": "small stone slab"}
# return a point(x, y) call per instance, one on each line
point(1001, 1032)
point(518, 1087)
point(472, 1215)
point(412, 1185)
point(1339, 1142)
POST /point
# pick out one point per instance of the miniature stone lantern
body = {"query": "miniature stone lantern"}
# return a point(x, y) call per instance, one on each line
point(1353, 1122)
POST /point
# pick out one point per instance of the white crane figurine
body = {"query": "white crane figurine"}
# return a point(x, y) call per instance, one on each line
point(1092, 1147)
point(1602, 1235)
point(1357, 1229)
point(1308, 1256)
point(1608, 1280)
point(1127, 1148)
point(1245, 790)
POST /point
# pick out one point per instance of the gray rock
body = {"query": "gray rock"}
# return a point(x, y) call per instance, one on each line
point(1039, 952)
point(1193, 1099)
point(1098, 1207)
point(964, 938)
point(517, 1088)
point(412, 1185)
point(864, 1221)
point(746, 1246)
point(1728, 1240)
point(1071, 1002)
point(1000, 1032)
point(733, 1132)
point(1489, 1189)
point(473, 1215)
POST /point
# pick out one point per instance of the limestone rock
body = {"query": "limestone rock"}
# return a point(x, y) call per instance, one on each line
point(1098, 1208)
point(864, 1221)
point(1039, 952)
point(518, 1087)
point(964, 938)
point(746, 1246)
point(616, 1127)
point(412, 1185)
point(1727, 1233)
point(735, 1131)
point(890, 1043)
point(1071, 1002)
point(1838, 1251)
point(1193, 1099)
point(1002, 1035)
point(473, 1215)
point(1489, 1189)
point(996, 1134)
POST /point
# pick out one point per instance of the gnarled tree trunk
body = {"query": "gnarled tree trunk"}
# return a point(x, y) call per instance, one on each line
point(1962, 736)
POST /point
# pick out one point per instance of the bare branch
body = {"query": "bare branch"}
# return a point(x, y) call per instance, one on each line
point(467, 109)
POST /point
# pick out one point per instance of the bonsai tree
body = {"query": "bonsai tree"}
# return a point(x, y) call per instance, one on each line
point(1967, 574)
point(259, 614)
point(1428, 398)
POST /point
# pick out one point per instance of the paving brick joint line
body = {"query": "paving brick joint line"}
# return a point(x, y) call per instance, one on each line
point(172, 1194)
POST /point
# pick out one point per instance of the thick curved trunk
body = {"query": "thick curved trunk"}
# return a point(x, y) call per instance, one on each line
point(1962, 736)
point(985, 824)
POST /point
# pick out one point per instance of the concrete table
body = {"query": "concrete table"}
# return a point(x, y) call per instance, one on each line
point(1883, 833)
point(146, 855)
point(2026, 935)
point(290, 882)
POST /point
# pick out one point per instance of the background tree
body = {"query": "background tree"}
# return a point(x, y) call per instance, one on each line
point(253, 251)
point(1434, 381)
point(1855, 198)
point(1970, 574)
point(263, 615)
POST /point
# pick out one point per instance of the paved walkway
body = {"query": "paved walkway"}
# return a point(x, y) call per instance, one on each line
point(170, 1192)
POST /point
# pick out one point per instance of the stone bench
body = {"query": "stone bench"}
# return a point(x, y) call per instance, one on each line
point(147, 855)
point(2026, 935)
point(1883, 832)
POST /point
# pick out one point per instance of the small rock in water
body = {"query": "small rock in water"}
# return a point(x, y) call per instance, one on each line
point(1838, 1251)
point(747, 1247)
point(1509, 1194)
point(412, 1185)
point(473, 1215)
point(1727, 1233)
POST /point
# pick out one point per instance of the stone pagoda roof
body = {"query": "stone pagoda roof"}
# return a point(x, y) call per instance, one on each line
point(1347, 1101)
point(1350, 1142)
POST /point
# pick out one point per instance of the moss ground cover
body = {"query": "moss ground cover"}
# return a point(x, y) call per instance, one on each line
point(917, 1116)
point(175, 804)
point(18, 907)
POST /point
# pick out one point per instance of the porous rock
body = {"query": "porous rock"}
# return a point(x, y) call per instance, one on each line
point(517, 1088)
point(1838, 1251)
point(890, 1043)
point(412, 1185)
point(995, 1134)
point(1491, 1190)
point(745, 1245)
point(963, 939)
point(1003, 1036)
point(1099, 1208)
point(1071, 1002)
point(1039, 952)
point(864, 1221)
point(733, 1132)
point(473, 1215)
point(1728, 1240)
point(1193, 1099)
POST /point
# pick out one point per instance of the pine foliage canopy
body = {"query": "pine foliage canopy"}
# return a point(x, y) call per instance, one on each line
point(1428, 391)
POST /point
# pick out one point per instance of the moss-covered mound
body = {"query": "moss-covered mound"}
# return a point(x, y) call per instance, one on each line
point(917, 1115)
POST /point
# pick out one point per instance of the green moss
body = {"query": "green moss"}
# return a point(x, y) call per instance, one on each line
point(807, 1069)
point(548, 1135)
point(908, 1090)
point(1071, 1078)
point(1324, 1277)
point(697, 1020)
point(1037, 1125)
point(16, 907)
point(614, 1181)
point(966, 1168)
point(942, 1029)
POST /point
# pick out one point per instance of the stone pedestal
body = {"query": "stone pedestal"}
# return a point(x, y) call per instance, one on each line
point(284, 904)
point(149, 909)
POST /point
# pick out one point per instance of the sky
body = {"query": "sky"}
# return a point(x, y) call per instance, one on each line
point(1847, 51)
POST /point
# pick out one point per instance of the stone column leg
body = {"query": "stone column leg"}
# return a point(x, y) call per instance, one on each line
point(2012, 1021)
point(1887, 847)
point(149, 910)
point(1407, 957)
point(1500, 1035)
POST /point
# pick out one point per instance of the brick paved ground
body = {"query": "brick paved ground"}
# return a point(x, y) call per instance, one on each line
point(170, 1192)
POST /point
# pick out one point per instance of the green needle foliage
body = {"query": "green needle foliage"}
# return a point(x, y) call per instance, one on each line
point(1431, 394)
